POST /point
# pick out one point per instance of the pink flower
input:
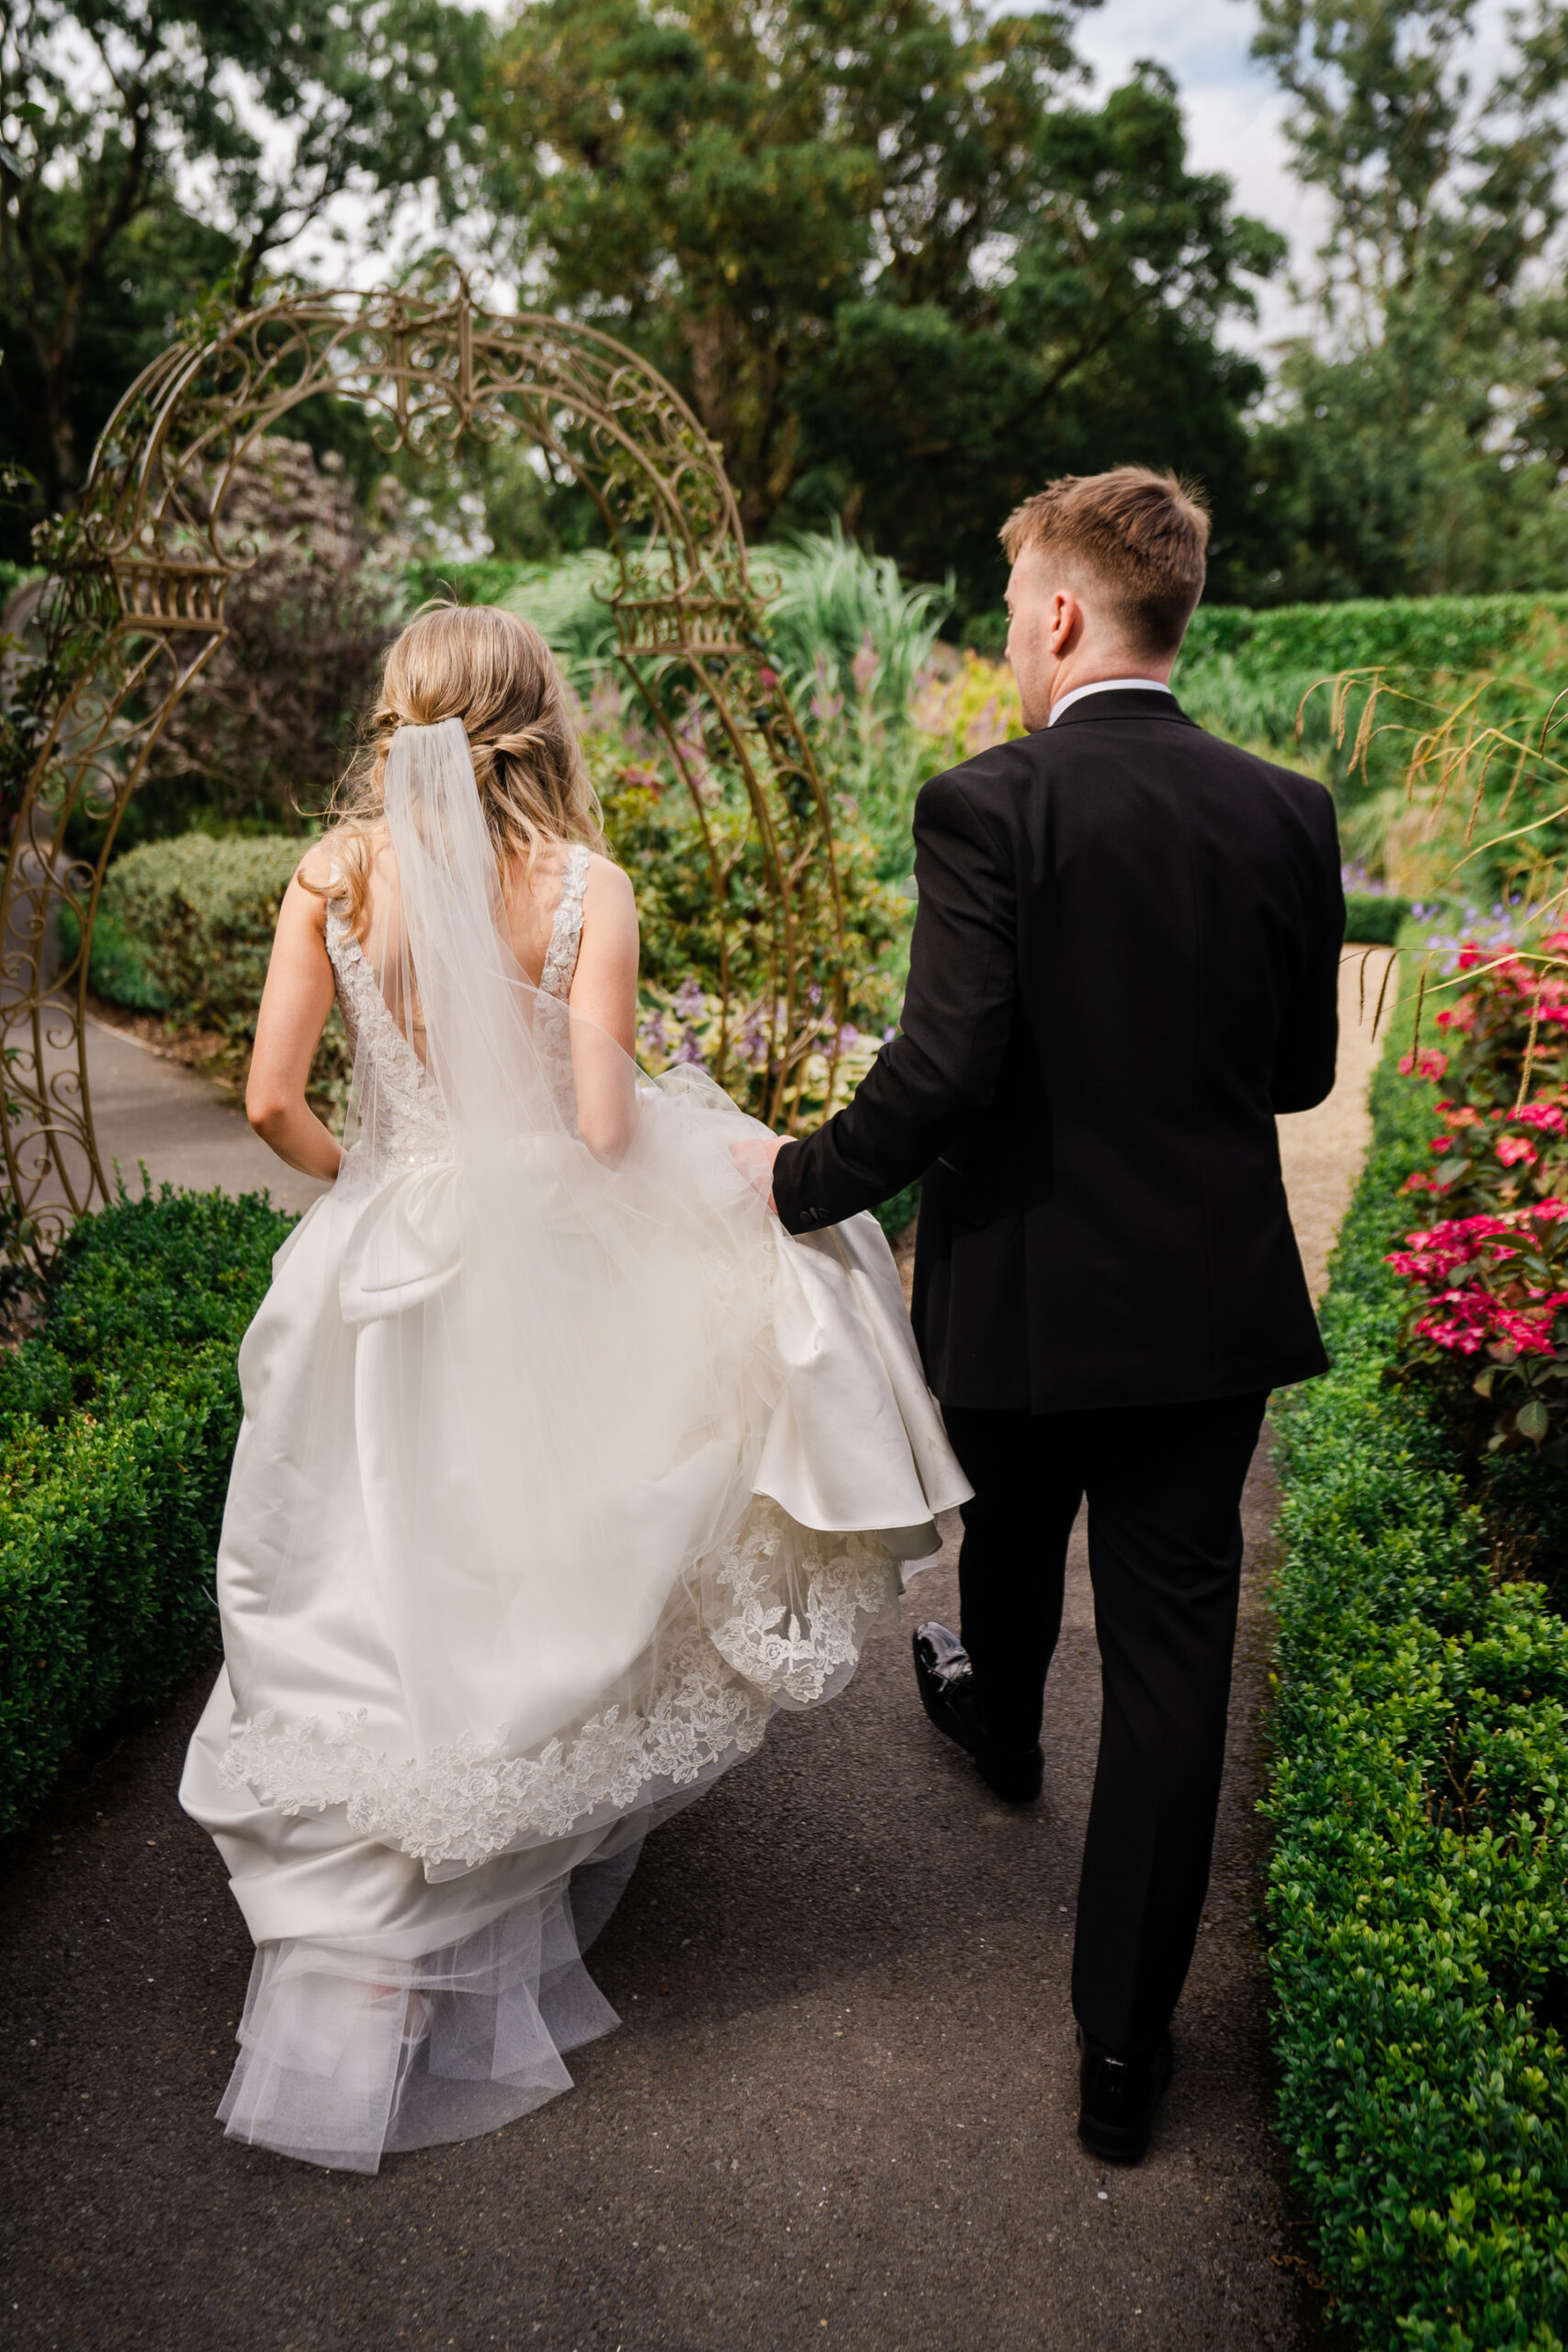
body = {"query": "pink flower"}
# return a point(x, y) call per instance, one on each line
point(1441, 1143)
point(1545, 1116)
point(1514, 1150)
point(1428, 1063)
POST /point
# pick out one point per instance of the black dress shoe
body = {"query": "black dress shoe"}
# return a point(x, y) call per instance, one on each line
point(946, 1679)
point(1117, 2098)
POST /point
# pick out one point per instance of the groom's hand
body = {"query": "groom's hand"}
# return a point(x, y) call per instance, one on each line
point(754, 1157)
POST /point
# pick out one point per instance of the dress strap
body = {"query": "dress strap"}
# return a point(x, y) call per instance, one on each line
point(566, 932)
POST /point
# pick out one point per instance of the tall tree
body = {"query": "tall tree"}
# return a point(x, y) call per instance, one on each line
point(1423, 428)
point(896, 270)
point(111, 109)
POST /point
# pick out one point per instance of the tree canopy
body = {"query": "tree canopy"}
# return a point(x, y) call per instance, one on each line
point(149, 147)
point(901, 273)
point(1422, 432)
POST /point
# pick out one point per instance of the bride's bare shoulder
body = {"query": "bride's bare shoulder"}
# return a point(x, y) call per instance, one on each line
point(608, 887)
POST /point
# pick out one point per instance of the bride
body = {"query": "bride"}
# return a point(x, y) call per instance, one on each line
point(561, 1466)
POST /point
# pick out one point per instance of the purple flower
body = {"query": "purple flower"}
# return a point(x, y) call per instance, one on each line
point(753, 1039)
point(688, 1050)
point(654, 1036)
point(889, 1034)
point(849, 1038)
point(814, 995)
point(690, 1002)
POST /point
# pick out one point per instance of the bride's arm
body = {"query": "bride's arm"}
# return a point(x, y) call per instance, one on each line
point(295, 1003)
point(603, 999)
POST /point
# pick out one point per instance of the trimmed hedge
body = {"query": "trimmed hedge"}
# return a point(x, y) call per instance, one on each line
point(185, 926)
point(202, 908)
point(116, 968)
point(1455, 633)
point(118, 1420)
point(1372, 920)
point(1417, 1895)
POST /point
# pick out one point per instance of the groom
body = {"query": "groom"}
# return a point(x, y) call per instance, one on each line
point(1125, 964)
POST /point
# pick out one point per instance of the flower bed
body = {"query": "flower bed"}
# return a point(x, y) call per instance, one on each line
point(118, 1418)
point(1417, 1895)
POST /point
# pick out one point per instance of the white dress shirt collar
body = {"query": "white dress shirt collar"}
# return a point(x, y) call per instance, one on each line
point(1104, 686)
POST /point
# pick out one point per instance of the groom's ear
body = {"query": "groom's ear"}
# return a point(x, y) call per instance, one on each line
point(1067, 619)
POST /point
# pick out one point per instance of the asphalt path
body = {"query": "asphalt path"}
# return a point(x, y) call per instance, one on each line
point(839, 2109)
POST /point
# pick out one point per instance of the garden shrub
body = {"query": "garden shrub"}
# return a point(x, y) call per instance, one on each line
point(1374, 919)
point(118, 1418)
point(197, 914)
point(1416, 1894)
point(203, 907)
point(1426, 633)
point(117, 968)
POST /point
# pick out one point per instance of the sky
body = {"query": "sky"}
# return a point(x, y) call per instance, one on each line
point(1234, 116)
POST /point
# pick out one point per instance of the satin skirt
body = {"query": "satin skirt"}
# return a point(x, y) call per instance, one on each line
point(525, 1541)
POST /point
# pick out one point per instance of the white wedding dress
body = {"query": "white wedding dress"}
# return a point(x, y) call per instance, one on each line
point(560, 1469)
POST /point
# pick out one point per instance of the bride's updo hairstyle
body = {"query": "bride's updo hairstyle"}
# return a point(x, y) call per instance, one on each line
point(493, 671)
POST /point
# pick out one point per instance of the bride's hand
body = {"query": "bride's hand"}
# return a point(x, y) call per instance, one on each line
point(754, 1157)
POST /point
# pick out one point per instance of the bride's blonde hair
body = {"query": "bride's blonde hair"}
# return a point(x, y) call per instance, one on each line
point(493, 671)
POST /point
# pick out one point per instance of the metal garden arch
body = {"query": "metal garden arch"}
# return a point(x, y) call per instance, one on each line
point(144, 565)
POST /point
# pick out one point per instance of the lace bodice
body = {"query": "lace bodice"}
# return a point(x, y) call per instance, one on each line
point(408, 1122)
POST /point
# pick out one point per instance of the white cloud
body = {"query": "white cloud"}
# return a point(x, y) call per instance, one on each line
point(1235, 116)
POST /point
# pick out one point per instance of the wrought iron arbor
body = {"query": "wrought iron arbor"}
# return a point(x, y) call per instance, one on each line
point(145, 566)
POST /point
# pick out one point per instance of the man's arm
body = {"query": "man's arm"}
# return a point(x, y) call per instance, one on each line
point(1309, 1033)
point(958, 1010)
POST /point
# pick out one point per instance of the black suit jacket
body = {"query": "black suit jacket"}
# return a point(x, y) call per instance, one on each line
point(1125, 962)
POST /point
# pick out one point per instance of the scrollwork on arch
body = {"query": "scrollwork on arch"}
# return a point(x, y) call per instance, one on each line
point(136, 612)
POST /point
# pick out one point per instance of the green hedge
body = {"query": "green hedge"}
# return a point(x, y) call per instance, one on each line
point(118, 1418)
point(1372, 919)
point(116, 968)
point(1458, 633)
point(202, 908)
point(1417, 1895)
point(185, 926)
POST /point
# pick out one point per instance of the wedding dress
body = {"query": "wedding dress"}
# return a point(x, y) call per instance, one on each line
point(561, 1467)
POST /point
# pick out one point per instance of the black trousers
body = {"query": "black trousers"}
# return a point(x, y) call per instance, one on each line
point(1164, 1486)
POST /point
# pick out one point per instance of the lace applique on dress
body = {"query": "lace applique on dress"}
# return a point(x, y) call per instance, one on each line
point(566, 932)
point(403, 1114)
point(794, 1608)
point(552, 1027)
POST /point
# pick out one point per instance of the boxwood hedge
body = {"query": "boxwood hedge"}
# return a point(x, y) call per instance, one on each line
point(1417, 1899)
point(1425, 633)
point(118, 1418)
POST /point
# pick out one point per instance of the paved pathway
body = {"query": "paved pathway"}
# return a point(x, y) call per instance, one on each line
point(838, 2111)
point(187, 1130)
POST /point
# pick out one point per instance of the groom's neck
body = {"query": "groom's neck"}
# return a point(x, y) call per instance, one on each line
point(1098, 669)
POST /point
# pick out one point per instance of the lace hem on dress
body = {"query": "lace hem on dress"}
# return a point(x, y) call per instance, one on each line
point(717, 1685)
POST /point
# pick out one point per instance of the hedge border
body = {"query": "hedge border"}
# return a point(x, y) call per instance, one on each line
point(117, 1422)
point(1418, 1945)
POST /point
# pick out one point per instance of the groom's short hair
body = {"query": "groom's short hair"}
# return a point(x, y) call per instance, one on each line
point(1140, 534)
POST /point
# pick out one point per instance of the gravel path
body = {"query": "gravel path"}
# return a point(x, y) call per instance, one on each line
point(839, 2111)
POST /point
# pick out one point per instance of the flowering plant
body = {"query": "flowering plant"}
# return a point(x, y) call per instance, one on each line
point(1513, 1011)
point(1495, 1294)
point(969, 711)
point(687, 1028)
